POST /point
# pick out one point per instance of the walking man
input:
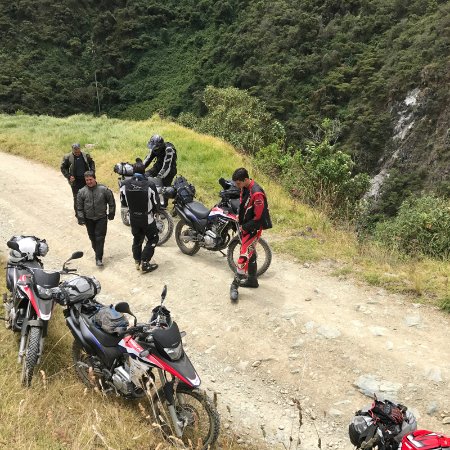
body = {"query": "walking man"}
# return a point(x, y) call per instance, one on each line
point(253, 218)
point(141, 197)
point(165, 154)
point(73, 166)
point(95, 206)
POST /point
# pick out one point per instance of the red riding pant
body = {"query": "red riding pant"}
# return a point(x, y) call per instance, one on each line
point(247, 253)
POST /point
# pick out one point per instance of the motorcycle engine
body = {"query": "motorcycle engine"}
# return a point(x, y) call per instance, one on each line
point(122, 381)
point(210, 239)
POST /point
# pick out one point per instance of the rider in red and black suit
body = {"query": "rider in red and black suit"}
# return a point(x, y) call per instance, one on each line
point(253, 218)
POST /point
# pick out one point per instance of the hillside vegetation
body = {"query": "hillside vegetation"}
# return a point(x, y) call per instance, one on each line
point(352, 60)
point(304, 233)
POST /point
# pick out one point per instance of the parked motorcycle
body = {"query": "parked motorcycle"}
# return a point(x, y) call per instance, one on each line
point(30, 301)
point(164, 221)
point(214, 229)
point(122, 360)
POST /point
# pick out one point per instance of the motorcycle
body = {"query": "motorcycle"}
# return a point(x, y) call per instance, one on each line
point(29, 304)
point(164, 221)
point(214, 229)
point(121, 360)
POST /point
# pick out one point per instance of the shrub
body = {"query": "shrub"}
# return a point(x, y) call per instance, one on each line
point(240, 119)
point(422, 227)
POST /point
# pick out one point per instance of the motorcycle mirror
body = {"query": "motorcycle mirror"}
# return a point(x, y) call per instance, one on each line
point(124, 307)
point(164, 293)
point(77, 255)
point(13, 245)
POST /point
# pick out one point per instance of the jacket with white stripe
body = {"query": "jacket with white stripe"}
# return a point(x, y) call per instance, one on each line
point(166, 161)
point(141, 197)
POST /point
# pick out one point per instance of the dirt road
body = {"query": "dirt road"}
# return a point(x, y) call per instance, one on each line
point(302, 335)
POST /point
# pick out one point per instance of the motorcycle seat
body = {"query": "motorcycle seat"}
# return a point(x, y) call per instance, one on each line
point(198, 209)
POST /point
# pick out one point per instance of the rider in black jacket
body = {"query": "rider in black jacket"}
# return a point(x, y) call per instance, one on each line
point(165, 154)
point(141, 197)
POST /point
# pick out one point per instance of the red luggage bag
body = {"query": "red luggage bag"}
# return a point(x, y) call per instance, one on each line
point(425, 440)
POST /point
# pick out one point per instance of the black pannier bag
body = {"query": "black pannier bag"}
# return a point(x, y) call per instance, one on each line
point(185, 190)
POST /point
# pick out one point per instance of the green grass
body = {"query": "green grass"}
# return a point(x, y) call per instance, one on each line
point(299, 231)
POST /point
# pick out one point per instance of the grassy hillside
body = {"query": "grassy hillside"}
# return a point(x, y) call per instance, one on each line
point(298, 231)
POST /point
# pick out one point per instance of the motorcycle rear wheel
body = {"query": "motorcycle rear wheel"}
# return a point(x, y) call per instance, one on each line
point(31, 356)
point(264, 256)
point(194, 407)
point(188, 247)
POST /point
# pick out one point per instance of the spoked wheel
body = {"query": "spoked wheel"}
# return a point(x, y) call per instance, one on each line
point(197, 417)
point(85, 367)
point(31, 356)
point(185, 235)
point(164, 223)
point(263, 254)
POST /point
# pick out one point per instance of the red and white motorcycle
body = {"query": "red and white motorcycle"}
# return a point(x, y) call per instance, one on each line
point(30, 301)
point(116, 358)
point(214, 229)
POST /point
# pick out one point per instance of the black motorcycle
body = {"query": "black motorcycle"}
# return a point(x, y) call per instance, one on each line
point(121, 360)
point(163, 219)
point(214, 229)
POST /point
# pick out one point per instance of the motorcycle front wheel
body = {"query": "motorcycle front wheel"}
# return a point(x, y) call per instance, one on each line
point(196, 415)
point(164, 223)
point(263, 254)
point(184, 235)
point(31, 356)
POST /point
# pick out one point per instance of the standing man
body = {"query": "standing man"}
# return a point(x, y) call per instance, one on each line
point(165, 154)
point(95, 206)
point(253, 218)
point(142, 199)
point(73, 166)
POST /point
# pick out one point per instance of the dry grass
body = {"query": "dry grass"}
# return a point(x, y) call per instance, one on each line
point(58, 412)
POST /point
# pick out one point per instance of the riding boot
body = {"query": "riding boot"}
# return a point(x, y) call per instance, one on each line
point(251, 281)
point(234, 294)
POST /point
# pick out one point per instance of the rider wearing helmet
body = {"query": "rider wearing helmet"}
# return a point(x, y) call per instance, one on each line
point(165, 154)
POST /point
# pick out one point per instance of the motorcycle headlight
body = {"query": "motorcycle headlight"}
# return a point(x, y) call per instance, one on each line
point(175, 353)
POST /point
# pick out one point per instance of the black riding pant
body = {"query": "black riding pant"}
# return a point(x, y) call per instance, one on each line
point(97, 233)
point(141, 229)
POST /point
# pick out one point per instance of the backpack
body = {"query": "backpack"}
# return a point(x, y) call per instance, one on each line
point(185, 190)
point(386, 420)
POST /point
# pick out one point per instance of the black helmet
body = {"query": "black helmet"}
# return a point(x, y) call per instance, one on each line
point(156, 142)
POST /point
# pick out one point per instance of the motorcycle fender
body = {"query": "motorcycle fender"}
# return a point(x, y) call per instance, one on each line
point(27, 323)
point(182, 214)
point(76, 333)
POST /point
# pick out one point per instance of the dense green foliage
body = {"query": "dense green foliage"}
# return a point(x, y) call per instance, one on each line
point(306, 60)
point(237, 117)
point(320, 174)
point(422, 227)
